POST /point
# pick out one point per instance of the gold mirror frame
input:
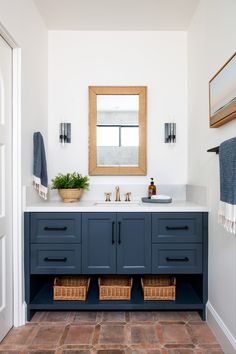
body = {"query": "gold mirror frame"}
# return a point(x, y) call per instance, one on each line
point(141, 169)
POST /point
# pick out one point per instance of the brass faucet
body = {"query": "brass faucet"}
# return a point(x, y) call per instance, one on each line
point(117, 194)
point(107, 197)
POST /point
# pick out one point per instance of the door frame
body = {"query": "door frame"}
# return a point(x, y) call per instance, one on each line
point(19, 307)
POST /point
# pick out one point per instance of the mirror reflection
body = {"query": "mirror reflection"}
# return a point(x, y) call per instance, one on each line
point(117, 130)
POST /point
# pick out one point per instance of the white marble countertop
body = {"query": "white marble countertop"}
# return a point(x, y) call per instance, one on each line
point(91, 206)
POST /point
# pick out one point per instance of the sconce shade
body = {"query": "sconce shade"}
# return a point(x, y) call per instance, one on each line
point(65, 133)
point(170, 133)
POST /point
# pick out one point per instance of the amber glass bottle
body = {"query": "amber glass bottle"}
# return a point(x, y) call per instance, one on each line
point(151, 189)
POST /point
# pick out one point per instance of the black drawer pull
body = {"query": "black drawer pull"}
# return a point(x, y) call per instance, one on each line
point(113, 232)
point(181, 259)
point(64, 259)
point(176, 227)
point(63, 228)
point(119, 227)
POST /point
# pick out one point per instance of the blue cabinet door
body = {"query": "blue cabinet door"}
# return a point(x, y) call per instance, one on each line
point(133, 243)
point(99, 243)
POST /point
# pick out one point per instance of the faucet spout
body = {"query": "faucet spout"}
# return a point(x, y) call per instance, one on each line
point(117, 194)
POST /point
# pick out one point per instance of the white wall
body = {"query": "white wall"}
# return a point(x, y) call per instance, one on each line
point(23, 22)
point(154, 59)
point(211, 41)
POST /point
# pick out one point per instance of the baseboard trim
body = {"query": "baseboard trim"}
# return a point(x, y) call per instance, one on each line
point(223, 334)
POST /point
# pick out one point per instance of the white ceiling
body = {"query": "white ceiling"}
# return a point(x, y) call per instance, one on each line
point(153, 15)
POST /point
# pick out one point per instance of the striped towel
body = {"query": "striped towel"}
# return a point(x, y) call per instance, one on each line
point(40, 178)
point(227, 206)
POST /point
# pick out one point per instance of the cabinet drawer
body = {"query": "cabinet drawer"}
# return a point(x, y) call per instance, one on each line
point(176, 259)
point(56, 227)
point(177, 227)
point(55, 259)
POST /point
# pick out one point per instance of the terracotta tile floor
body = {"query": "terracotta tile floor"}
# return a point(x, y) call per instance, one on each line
point(112, 333)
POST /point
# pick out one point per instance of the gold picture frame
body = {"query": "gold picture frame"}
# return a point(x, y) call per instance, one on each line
point(222, 94)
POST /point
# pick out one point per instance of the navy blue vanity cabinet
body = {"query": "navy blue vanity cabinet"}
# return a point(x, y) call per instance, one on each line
point(99, 243)
point(116, 243)
point(133, 243)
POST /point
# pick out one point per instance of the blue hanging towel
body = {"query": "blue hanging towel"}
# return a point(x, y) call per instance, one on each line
point(227, 206)
point(40, 178)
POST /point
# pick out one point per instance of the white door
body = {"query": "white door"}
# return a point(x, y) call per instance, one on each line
point(6, 287)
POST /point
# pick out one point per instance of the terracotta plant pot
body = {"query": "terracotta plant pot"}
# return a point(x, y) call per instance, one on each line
point(70, 195)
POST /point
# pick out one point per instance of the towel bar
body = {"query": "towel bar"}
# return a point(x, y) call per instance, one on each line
point(215, 149)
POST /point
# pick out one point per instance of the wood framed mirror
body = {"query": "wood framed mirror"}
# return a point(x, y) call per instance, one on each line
point(117, 130)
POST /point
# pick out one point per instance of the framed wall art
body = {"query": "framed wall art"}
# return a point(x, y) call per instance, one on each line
point(222, 94)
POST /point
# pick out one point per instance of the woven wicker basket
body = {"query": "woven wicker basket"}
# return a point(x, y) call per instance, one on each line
point(71, 288)
point(162, 287)
point(70, 195)
point(115, 288)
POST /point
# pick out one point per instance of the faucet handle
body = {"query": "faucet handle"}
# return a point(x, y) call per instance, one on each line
point(107, 197)
point(127, 196)
point(117, 189)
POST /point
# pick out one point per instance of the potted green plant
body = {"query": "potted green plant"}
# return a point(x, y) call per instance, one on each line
point(70, 186)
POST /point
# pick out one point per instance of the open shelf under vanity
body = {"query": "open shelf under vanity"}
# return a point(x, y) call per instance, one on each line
point(187, 297)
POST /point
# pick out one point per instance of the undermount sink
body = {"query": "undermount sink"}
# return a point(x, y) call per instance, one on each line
point(112, 204)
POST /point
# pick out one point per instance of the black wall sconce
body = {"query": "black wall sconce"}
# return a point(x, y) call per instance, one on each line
point(170, 133)
point(65, 133)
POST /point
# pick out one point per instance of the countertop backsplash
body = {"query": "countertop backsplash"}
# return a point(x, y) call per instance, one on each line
point(197, 194)
point(185, 198)
point(96, 192)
